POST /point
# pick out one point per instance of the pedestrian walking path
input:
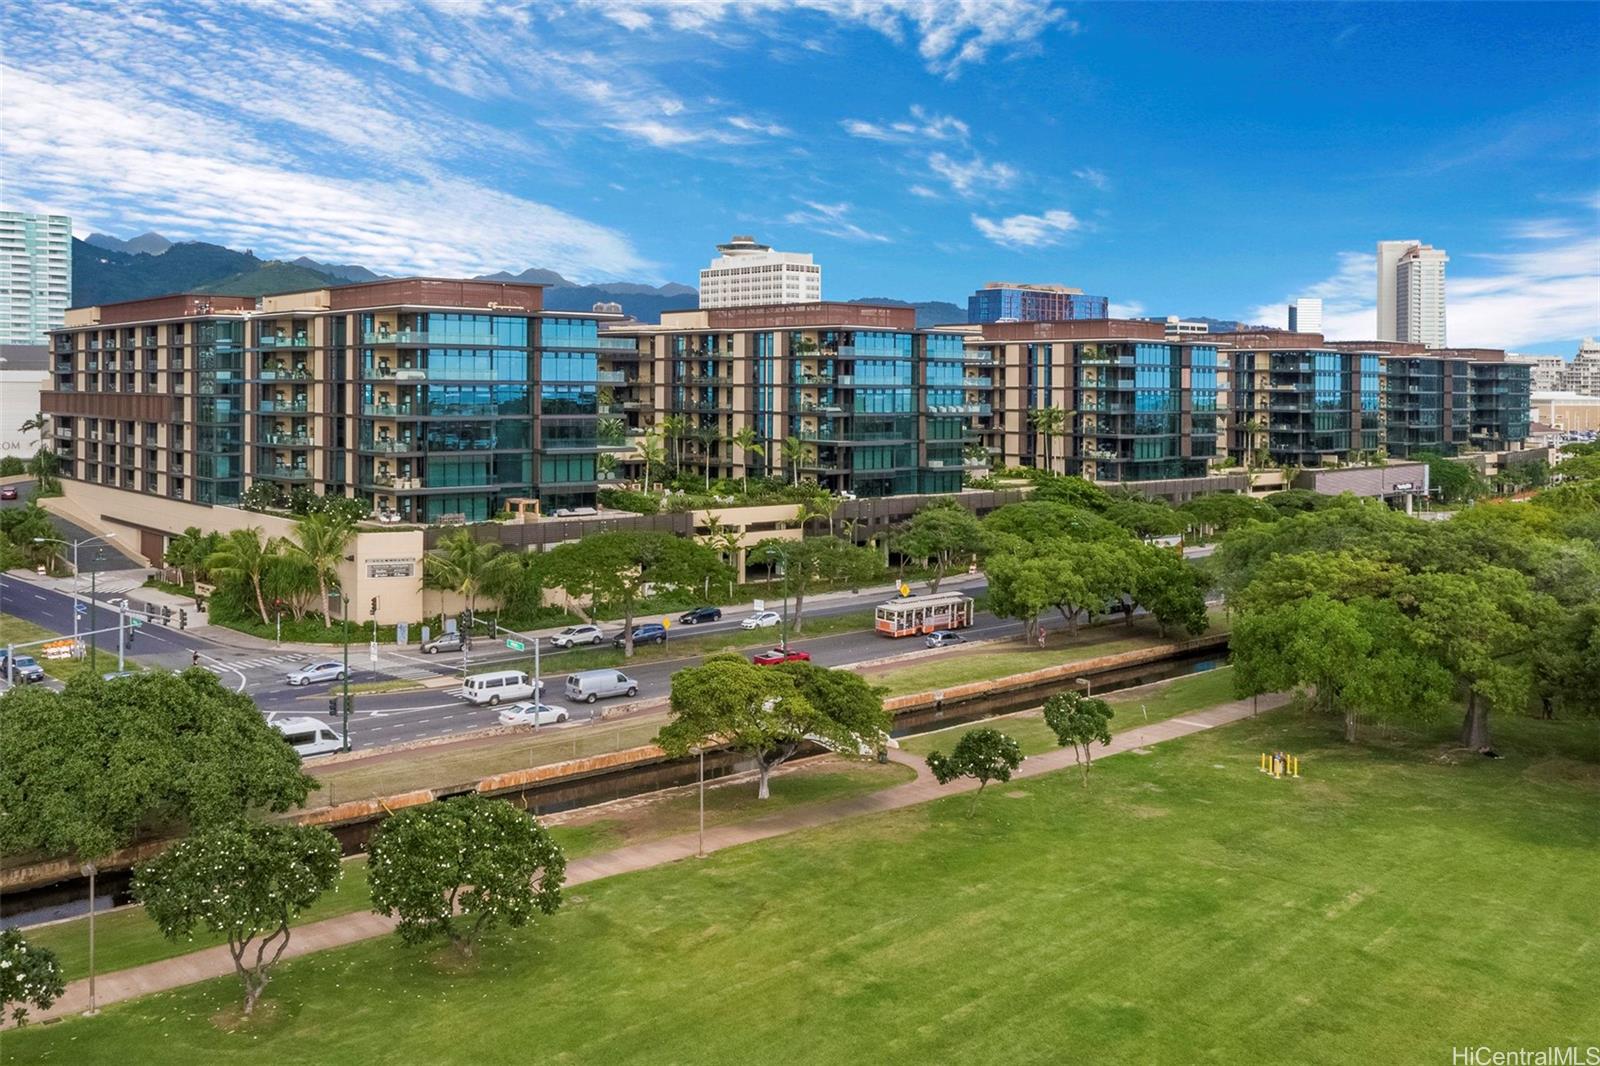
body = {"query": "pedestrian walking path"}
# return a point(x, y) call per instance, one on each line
point(351, 928)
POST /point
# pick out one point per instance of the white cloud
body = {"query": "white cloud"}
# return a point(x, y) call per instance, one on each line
point(832, 220)
point(1131, 309)
point(1094, 177)
point(923, 125)
point(923, 191)
point(972, 176)
point(1028, 231)
point(751, 125)
point(1534, 295)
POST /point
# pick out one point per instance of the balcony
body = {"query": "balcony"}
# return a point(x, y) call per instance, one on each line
point(387, 410)
point(280, 374)
point(384, 338)
point(285, 406)
point(617, 344)
point(384, 372)
point(286, 440)
point(960, 409)
point(385, 446)
point(280, 472)
point(299, 340)
point(977, 383)
point(611, 377)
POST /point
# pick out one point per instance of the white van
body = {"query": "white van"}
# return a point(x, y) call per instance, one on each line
point(591, 685)
point(307, 736)
point(498, 686)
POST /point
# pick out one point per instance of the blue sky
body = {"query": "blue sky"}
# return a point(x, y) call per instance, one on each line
point(1191, 159)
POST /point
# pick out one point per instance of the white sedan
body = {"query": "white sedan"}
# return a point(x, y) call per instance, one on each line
point(534, 714)
point(573, 635)
point(762, 620)
point(314, 672)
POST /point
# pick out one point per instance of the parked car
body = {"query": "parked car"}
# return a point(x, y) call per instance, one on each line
point(780, 655)
point(533, 714)
point(584, 634)
point(700, 614)
point(944, 638)
point(649, 633)
point(444, 642)
point(312, 673)
point(307, 736)
point(590, 685)
point(762, 620)
point(25, 669)
point(498, 686)
point(9, 492)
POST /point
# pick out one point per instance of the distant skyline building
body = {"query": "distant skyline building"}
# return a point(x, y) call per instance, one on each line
point(1411, 293)
point(750, 274)
point(1012, 301)
point(35, 275)
point(1544, 371)
point(1176, 327)
point(1305, 315)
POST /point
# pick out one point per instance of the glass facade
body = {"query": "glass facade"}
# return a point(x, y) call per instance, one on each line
point(218, 353)
point(1131, 407)
point(1017, 304)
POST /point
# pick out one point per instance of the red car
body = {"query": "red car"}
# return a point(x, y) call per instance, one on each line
point(8, 493)
point(780, 655)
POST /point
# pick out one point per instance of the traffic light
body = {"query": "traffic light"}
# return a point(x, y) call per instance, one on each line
point(132, 630)
point(166, 615)
point(374, 608)
point(183, 618)
point(333, 706)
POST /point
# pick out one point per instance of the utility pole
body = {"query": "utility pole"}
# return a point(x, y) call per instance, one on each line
point(345, 676)
point(122, 632)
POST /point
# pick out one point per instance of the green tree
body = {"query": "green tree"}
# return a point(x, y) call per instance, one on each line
point(1074, 577)
point(675, 426)
point(1173, 591)
point(319, 543)
point(30, 976)
point(1031, 526)
point(614, 569)
point(84, 769)
point(605, 464)
point(748, 443)
point(945, 532)
point(1070, 489)
point(982, 754)
point(1453, 481)
point(1047, 422)
point(1146, 518)
point(652, 454)
point(1219, 512)
point(460, 866)
point(811, 561)
point(468, 567)
point(244, 882)
point(768, 712)
point(33, 536)
point(245, 556)
point(1078, 720)
point(795, 452)
point(187, 553)
point(610, 430)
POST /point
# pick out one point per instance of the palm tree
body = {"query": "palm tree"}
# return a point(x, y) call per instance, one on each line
point(794, 452)
point(1047, 423)
point(246, 556)
point(39, 422)
point(674, 426)
point(466, 566)
point(187, 551)
point(745, 441)
point(319, 543)
point(822, 505)
point(605, 464)
point(610, 430)
point(652, 452)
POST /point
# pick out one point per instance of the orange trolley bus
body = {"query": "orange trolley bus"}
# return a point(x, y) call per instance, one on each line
point(915, 615)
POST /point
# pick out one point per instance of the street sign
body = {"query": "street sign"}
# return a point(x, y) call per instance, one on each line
point(82, 608)
point(516, 645)
point(666, 623)
point(136, 622)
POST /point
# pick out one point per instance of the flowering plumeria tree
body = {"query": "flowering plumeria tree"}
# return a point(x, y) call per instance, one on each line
point(460, 866)
point(29, 976)
point(246, 882)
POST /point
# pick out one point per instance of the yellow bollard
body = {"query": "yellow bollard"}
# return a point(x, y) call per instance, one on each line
point(1297, 766)
point(1263, 766)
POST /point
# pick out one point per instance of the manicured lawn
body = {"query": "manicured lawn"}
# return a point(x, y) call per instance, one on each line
point(1386, 907)
point(127, 937)
point(1159, 701)
point(652, 817)
point(962, 665)
point(103, 661)
point(681, 641)
point(459, 763)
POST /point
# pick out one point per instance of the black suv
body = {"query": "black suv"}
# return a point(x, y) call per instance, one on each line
point(700, 614)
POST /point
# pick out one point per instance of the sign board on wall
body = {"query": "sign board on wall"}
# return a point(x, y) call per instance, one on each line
point(391, 568)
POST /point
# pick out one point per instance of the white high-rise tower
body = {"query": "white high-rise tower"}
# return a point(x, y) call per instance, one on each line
point(1305, 315)
point(35, 275)
point(1411, 293)
point(748, 274)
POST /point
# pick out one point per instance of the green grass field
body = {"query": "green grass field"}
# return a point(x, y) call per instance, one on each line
point(1141, 706)
point(987, 662)
point(1388, 906)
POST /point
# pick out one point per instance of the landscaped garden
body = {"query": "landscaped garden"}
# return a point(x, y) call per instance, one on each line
point(1398, 900)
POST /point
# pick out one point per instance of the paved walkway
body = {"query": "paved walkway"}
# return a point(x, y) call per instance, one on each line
point(363, 925)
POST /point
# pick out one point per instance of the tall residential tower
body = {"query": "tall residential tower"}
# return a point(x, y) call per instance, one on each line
point(748, 274)
point(35, 275)
point(1411, 293)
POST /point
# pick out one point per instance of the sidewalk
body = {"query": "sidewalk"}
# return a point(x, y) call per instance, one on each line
point(363, 925)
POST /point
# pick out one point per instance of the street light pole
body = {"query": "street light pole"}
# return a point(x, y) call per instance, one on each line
point(345, 676)
point(702, 852)
point(75, 545)
point(89, 868)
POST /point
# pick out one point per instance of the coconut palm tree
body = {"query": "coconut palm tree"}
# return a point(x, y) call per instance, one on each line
point(466, 567)
point(652, 452)
point(794, 452)
point(823, 505)
point(187, 551)
point(675, 426)
point(245, 555)
point(745, 440)
point(318, 544)
point(1047, 423)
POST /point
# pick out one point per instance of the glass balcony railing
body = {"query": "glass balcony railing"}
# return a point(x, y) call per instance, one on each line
point(285, 473)
point(298, 340)
point(422, 336)
point(611, 377)
point(286, 440)
point(617, 344)
point(281, 405)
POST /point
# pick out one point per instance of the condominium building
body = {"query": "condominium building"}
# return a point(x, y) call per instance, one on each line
point(1449, 400)
point(1176, 327)
point(1582, 375)
point(1544, 371)
point(1411, 293)
point(1009, 301)
point(1297, 400)
point(426, 398)
point(35, 275)
point(1305, 315)
point(748, 274)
